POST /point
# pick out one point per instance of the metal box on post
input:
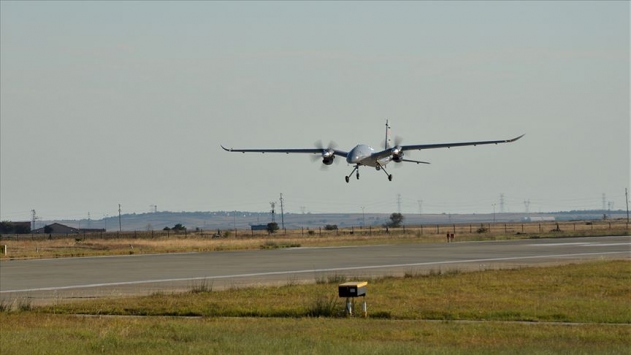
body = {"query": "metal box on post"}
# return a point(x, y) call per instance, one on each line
point(352, 289)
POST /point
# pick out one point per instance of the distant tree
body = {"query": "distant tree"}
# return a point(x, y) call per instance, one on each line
point(482, 229)
point(178, 227)
point(11, 227)
point(6, 227)
point(272, 227)
point(166, 229)
point(22, 229)
point(396, 219)
point(330, 227)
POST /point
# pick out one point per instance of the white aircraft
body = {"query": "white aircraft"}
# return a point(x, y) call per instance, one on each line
point(365, 155)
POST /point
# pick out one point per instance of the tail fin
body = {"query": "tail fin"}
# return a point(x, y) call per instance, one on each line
point(388, 136)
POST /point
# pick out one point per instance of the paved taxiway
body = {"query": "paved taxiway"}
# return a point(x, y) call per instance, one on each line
point(49, 280)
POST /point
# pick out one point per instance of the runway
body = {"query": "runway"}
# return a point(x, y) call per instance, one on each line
point(53, 280)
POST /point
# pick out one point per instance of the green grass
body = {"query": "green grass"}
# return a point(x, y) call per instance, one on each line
point(521, 311)
point(597, 292)
point(50, 334)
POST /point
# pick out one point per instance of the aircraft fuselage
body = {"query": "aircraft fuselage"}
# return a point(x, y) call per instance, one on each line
point(362, 155)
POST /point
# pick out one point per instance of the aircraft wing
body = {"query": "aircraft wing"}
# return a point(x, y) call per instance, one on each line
point(387, 152)
point(340, 153)
point(457, 144)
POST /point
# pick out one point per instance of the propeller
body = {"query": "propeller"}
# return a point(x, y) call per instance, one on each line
point(397, 144)
point(327, 152)
point(319, 145)
point(396, 149)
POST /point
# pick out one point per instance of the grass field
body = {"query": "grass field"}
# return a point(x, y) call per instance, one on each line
point(150, 242)
point(578, 308)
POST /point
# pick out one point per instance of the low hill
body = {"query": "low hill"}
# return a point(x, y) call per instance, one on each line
point(243, 220)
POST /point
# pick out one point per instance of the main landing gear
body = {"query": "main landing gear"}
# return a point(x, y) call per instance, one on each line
point(379, 167)
point(356, 169)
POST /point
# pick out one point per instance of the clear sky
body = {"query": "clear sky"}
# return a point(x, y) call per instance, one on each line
point(107, 103)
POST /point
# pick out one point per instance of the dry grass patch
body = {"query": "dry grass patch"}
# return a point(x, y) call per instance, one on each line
point(26, 246)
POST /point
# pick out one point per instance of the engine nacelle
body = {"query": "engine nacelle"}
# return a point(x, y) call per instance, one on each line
point(328, 156)
point(397, 154)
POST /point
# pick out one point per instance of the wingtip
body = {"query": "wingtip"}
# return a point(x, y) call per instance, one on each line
point(224, 148)
point(517, 138)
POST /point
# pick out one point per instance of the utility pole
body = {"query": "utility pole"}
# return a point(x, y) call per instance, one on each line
point(502, 203)
point(527, 205)
point(626, 197)
point(282, 212)
point(420, 207)
point(399, 202)
point(34, 218)
point(273, 204)
point(363, 217)
point(494, 213)
point(120, 225)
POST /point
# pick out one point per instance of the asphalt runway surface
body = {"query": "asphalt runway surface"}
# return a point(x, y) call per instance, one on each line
point(52, 280)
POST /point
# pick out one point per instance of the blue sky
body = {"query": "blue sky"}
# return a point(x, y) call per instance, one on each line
point(127, 102)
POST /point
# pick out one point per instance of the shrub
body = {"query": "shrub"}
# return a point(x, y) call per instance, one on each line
point(324, 307)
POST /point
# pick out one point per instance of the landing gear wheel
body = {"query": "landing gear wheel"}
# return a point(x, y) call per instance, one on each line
point(346, 177)
point(355, 169)
point(390, 177)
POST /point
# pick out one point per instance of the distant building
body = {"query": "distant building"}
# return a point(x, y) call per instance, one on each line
point(15, 227)
point(58, 228)
point(259, 227)
point(539, 219)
